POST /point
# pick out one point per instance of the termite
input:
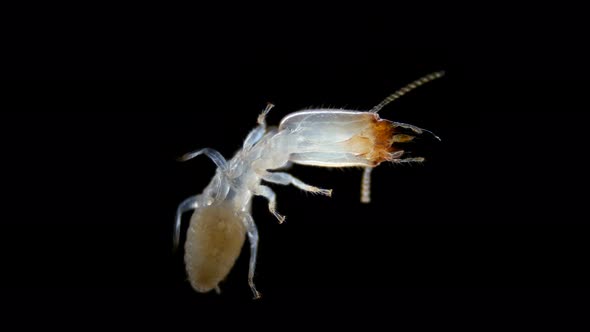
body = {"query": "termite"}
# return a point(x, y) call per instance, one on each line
point(320, 137)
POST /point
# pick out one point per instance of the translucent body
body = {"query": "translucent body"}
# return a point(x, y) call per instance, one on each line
point(328, 138)
point(318, 137)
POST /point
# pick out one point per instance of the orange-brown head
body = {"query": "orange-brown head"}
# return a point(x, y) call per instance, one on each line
point(341, 138)
point(376, 141)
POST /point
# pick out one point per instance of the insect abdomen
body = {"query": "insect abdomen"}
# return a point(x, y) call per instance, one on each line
point(214, 240)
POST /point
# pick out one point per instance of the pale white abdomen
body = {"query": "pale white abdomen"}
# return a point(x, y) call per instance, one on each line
point(214, 240)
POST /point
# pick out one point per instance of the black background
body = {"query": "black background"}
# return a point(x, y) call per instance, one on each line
point(492, 224)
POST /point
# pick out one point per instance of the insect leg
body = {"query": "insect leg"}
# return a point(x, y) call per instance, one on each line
point(256, 134)
point(253, 239)
point(214, 155)
point(188, 204)
point(270, 195)
point(287, 179)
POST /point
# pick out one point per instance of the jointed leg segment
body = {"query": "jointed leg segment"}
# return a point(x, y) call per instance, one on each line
point(256, 134)
point(252, 232)
point(287, 179)
point(191, 203)
point(284, 179)
point(270, 195)
point(214, 155)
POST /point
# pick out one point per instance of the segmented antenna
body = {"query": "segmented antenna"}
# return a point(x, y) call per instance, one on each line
point(407, 89)
point(366, 181)
point(366, 185)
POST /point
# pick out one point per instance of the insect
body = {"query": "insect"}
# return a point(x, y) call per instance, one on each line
point(222, 218)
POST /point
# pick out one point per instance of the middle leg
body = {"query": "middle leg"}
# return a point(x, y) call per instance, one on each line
point(270, 195)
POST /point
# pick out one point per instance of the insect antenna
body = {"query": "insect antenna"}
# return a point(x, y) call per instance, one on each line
point(407, 88)
point(366, 180)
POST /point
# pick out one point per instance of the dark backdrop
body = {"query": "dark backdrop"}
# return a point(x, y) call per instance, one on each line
point(492, 223)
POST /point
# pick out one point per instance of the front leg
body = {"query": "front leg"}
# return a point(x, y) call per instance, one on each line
point(256, 134)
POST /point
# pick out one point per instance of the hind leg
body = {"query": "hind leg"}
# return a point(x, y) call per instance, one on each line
point(252, 232)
